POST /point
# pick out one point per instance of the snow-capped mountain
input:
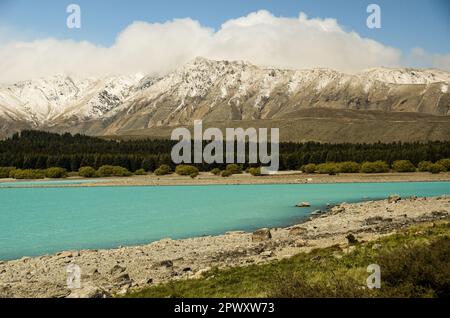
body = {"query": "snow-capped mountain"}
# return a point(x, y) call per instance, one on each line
point(213, 91)
point(42, 101)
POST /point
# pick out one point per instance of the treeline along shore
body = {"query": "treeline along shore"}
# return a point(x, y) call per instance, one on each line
point(43, 150)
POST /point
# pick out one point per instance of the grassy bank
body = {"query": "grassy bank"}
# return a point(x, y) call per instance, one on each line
point(414, 263)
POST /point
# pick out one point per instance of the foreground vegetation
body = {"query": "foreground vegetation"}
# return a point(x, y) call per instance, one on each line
point(414, 263)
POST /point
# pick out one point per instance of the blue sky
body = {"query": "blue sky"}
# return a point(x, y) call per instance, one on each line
point(405, 23)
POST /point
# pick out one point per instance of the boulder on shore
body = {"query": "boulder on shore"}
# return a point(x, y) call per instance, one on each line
point(394, 198)
point(89, 291)
point(337, 209)
point(261, 235)
point(297, 230)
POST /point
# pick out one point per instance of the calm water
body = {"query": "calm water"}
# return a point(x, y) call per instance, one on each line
point(37, 221)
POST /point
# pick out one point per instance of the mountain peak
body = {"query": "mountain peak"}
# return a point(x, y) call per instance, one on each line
point(407, 75)
point(217, 90)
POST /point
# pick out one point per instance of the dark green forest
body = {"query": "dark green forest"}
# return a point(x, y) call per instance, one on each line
point(41, 150)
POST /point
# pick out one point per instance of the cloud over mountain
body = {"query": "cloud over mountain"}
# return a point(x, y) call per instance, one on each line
point(157, 48)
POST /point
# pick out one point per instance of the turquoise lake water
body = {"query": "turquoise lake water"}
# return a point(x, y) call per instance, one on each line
point(38, 221)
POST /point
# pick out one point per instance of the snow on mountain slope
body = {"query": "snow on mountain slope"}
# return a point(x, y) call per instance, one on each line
point(406, 76)
point(217, 91)
point(43, 100)
point(222, 90)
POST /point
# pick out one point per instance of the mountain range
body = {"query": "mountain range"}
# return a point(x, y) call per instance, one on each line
point(318, 104)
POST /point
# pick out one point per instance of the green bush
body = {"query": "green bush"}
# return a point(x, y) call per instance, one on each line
point(403, 166)
point(186, 170)
point(163, 170)
point(330, 168)
point(234, 168)
point(436, 168)
point(309, 168)
point(445, 163)
point(418, 269)
point(216, 171)
point(424, 166)
point(5, 172)
point(255, 171)
point(105, 171)
point(27, 174)
point(121, 172)
point(140, 172)
point(116, 171)
point(56, 173)
point(374, 167)
point(194, 174)
point(299, 285)
point(226, 173)
point(349, 167)
point(87, 172)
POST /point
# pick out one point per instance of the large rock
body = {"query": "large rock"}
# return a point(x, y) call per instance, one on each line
point(394, 198)
point(117, 269)
point(89, 290)
point(68, 254)
point(121, 280)
point(297, 230)
point(261, 235)
point(338, 209)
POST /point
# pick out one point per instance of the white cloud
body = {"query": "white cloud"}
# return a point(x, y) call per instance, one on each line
point(421, 58)
point(155, 48)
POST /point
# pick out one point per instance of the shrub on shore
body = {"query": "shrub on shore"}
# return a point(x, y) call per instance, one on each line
point(255, 171)
point(194, 174)
point(330, 168)
point(186, 170)
point(436, 168)
point(403, 166)
point(226, 173)
point(140, 172)
point(116, 171)
point(445, 163)
point(374, 167)
point(56, 173)
point(309, 168)
point(424, 166)
point(234, 168)
point(87, 172)
point(349, 167)
point(105, 171)
point(120, 172)
point(163, 170)
point(216, 171)
point(27, 174)
point(5, 172)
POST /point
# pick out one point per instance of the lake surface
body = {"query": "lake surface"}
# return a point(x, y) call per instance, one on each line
point(37, 221)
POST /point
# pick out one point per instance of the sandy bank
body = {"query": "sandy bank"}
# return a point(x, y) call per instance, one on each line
point(283, 177)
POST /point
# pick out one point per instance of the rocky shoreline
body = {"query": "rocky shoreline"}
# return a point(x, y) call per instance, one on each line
point(116, 271)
